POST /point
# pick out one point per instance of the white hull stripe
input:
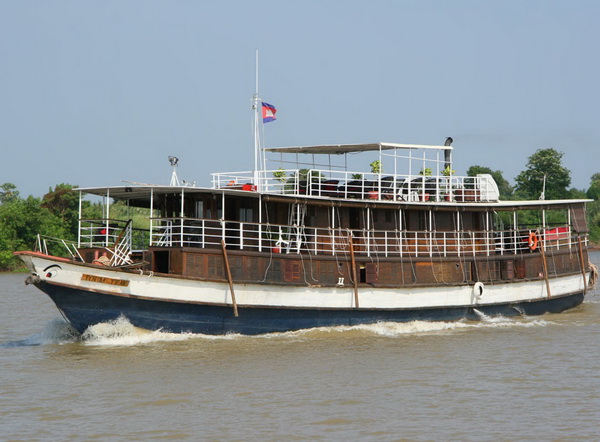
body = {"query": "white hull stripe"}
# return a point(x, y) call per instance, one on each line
point(278, 296)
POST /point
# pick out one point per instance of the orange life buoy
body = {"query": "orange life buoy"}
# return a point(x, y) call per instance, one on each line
point(532, 242)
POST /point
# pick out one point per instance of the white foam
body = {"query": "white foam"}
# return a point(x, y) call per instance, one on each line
point(394, 329)
point(56, 331)
point(120, 332)
point(410, 328)
point(503, 321)
point(427, 327)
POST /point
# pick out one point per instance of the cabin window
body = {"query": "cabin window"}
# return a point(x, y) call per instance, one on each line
point(422, 220)
point(383, 219)
point(354, 215)
point(384, 216)
point(444, 221)
point(246, 214)
point(472, 221)
point(200, 209)
point(311, 216)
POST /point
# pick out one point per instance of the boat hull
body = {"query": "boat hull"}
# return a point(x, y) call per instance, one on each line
point(83, 308)
point(87, 295)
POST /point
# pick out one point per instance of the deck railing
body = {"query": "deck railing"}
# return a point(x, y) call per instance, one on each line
point(58, 247)
point(105, 233)
point(364, 186)
point(204, 233)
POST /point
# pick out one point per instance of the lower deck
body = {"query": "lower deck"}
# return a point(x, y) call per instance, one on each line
point(348, 270)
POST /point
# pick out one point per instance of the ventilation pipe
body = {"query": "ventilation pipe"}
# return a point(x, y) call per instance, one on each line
point(448, 154)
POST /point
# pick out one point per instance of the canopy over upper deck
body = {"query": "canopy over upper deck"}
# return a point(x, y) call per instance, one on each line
point(340, 149)
point(140, 195)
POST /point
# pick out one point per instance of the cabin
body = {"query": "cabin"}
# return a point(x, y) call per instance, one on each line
point(315, 225)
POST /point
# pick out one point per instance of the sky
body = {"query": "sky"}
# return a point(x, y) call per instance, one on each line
point(96, 92)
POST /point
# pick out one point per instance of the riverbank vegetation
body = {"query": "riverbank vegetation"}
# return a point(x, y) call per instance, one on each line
point(56, 213)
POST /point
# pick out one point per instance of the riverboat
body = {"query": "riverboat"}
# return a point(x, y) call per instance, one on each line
point(310, 242)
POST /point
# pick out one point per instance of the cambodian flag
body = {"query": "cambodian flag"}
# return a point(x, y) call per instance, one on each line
point(268, 112)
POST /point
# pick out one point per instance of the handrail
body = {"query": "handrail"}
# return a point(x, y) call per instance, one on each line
point(105, 233)
point(279, 238)
point(43, 241)
point(362, 185)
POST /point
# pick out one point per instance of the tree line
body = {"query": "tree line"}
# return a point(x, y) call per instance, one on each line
point(56, 213)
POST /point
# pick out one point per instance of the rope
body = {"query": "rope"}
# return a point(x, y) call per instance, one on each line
point(593, 275)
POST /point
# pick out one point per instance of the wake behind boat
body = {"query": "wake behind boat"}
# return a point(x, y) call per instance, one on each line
point(301, 245)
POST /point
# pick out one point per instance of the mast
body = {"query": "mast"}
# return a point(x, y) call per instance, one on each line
point(256, 106)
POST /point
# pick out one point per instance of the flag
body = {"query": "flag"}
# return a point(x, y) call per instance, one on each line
point(268, 112)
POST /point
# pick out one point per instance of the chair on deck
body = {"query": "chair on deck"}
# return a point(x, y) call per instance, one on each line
point(352, 189)
point(324, 188)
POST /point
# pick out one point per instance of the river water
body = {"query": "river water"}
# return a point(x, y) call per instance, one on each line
point(509, 379)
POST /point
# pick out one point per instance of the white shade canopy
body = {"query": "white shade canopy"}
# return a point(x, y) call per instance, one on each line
point(339, 149)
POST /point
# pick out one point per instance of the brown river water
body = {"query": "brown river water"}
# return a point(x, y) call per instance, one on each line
point(498, 379)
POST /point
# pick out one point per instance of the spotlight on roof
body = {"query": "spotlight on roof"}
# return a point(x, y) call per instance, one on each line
point(173, 161)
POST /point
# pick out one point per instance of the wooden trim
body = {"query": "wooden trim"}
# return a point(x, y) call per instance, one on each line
point(229, 279)
point(353, 270)
point(545, 267)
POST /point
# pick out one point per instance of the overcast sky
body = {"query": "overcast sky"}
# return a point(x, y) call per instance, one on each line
point(94, 92)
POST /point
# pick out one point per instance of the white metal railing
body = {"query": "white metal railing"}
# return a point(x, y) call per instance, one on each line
point(360, 185)
point(45, 244)
point(105, 232)
point(193, 232)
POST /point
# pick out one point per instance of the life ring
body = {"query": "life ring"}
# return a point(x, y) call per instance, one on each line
point(478, 289)
point(532, 241)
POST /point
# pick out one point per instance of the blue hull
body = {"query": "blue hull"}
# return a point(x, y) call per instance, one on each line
point(83, 308)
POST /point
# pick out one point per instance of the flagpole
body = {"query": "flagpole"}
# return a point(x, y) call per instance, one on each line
point(256, 132)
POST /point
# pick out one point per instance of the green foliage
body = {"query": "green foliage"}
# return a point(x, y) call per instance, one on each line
point(593, 191)
point(593, 220)
point(63, 203)
point(593, 209)
point(119, 210)
point(20, 222)
point(506, 190)
point(427, 171)
point(8, 193)
point(280, 175)
point(447, 171)
point(302, 176)
point(376, 167)
point(544, 162)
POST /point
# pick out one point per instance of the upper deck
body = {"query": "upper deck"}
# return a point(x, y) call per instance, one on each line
point(410, 202)
point(397, 172)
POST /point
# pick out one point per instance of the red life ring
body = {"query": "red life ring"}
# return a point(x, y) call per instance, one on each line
point(532, 242)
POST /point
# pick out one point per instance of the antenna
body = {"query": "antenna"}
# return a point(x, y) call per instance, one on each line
point(543, 195)
point(174, 179)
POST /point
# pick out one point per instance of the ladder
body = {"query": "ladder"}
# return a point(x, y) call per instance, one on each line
point(296, 220)
point(121, 250)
